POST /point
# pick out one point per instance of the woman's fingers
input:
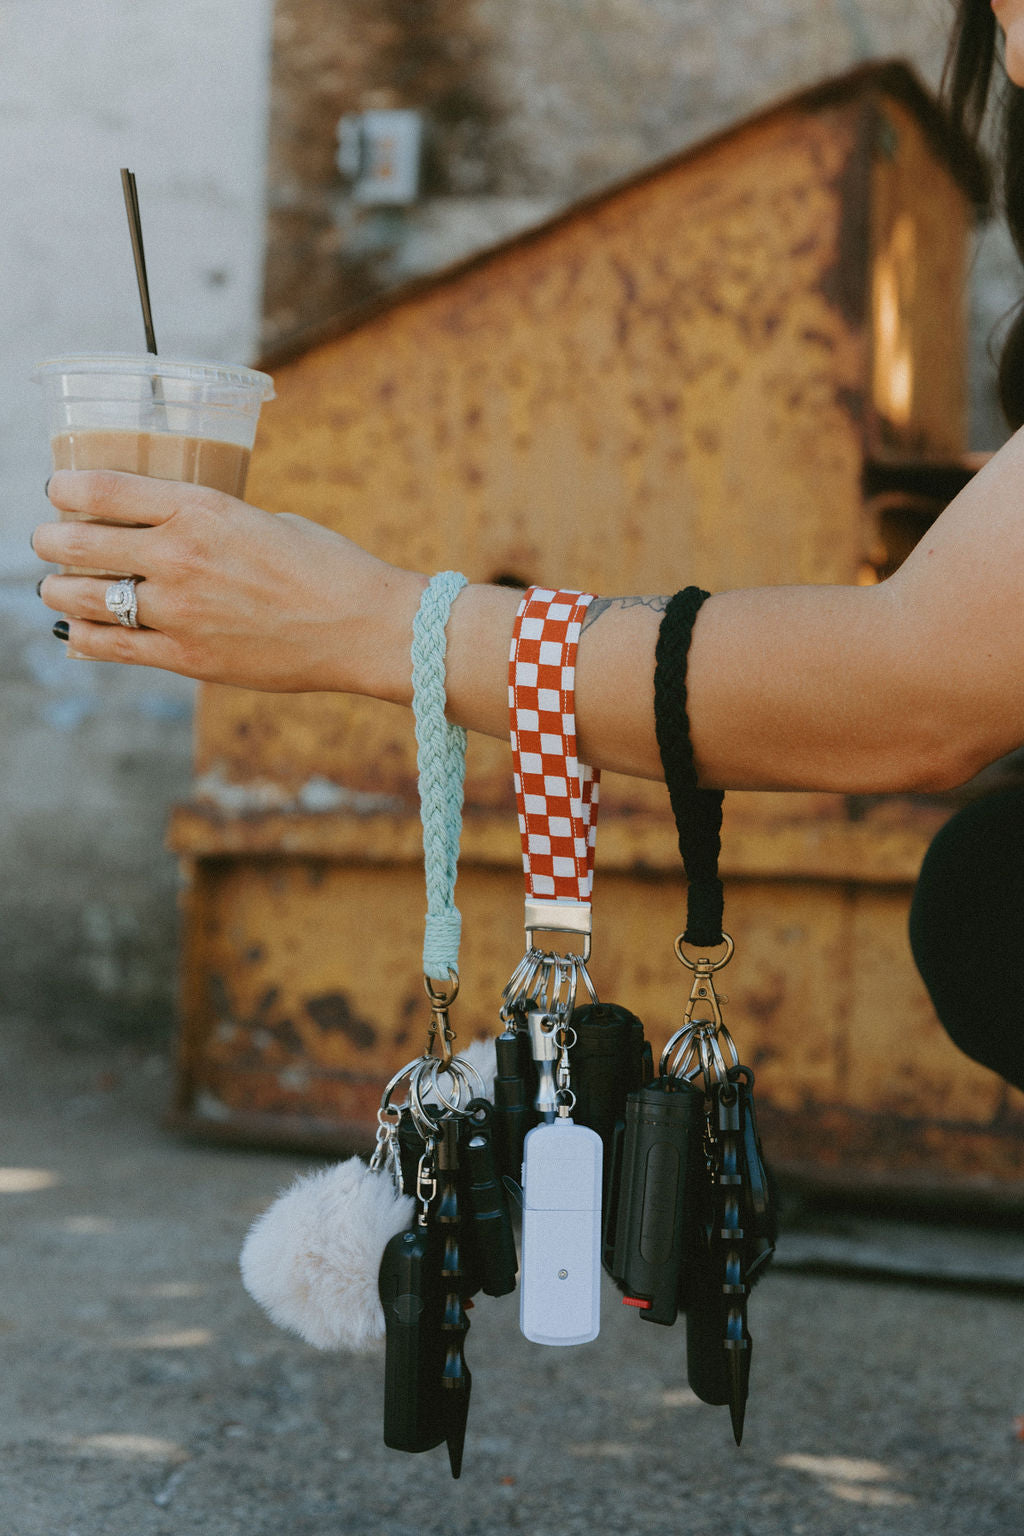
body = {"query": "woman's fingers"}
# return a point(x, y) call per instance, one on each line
point(115, 642)
point(113, 497)
point(88, 546)
point(109, 515)
point(84, 597)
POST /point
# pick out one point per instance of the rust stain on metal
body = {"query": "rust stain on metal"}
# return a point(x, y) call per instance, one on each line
point(333, 1011)
point(763, 1004)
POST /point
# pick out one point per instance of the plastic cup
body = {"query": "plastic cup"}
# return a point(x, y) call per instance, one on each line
point(154, 416)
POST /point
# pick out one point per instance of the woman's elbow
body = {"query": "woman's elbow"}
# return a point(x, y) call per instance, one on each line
point(940, 756)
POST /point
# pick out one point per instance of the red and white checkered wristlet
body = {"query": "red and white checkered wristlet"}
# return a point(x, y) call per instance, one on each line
point(556, 794)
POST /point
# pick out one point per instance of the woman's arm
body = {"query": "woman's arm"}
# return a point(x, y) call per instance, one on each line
point(788, 688)
point(914, 684)
point(911, 685)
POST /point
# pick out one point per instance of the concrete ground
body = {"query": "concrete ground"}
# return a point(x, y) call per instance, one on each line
point(144, 1394)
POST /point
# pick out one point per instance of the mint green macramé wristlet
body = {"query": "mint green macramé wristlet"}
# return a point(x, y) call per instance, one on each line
point(441, 761)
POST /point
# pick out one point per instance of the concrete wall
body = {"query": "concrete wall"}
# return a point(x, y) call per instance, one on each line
point(528, 106)
point(89, 757)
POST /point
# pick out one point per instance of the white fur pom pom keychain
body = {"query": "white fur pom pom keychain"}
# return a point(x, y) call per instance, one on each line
point(312, 1259)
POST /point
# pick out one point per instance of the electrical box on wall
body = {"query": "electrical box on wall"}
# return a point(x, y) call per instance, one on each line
point(379, 153)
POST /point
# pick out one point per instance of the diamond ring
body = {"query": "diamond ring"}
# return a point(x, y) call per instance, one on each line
point(122, 601)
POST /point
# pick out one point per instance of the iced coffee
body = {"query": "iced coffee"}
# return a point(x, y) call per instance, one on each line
point(223, 466)
point(154, 416)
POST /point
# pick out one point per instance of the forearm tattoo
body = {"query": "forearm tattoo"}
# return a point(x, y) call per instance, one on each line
point(602, 604)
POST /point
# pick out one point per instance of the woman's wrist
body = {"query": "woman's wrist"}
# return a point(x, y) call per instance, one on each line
point(376, 659)
point(479, 635)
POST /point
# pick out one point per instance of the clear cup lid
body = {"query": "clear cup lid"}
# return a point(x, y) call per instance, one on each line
point(126, 363)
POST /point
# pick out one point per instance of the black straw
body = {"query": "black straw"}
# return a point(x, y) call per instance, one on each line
point(131, 203)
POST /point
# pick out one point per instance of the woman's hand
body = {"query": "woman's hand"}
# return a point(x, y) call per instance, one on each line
point(226, 593)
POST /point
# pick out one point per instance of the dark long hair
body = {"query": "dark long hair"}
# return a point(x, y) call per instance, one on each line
point(970, 66)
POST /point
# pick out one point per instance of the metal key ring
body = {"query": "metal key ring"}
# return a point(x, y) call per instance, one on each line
point(517, 991)
point(424, 1073)
point(581, 966)
point(681, 1049)
point(431, 1071)
point(723, 1038)
point(522, 977)
point(712, 1062)
point(465, 1071)
point(678, 1054)
point(413, 1070)
point(565, 973)
point(544, 981)
point(695, 1050)
point(385, 1098)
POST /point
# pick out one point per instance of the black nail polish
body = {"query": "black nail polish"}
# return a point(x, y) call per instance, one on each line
point(39, 586)
point(46, 487)
point(62, 629)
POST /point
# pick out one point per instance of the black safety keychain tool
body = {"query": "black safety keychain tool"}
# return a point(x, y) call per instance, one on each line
point(423, 1279)
point(694, 1221)
point(423, 1283)
point(490, 1221)
point(562, 1160)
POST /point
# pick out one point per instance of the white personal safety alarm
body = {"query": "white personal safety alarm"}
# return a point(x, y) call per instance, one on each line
point(560, 1271)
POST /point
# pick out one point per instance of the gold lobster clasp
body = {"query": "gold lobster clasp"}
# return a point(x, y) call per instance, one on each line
point(441, 1032)
point(702, 993)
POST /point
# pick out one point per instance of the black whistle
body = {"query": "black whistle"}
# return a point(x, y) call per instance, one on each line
point(656, 1179)
point(413, 1299)
point(488, 1203)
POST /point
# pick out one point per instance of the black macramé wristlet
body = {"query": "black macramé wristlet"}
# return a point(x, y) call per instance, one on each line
point(697, 812)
